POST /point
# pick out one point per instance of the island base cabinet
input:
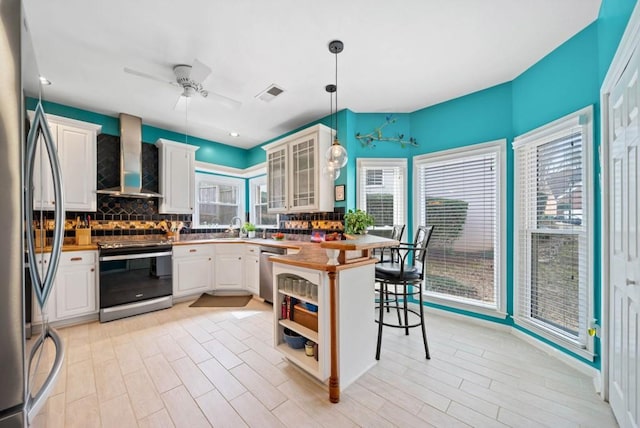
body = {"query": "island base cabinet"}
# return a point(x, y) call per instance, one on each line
point(284, 300)
point(355, 327)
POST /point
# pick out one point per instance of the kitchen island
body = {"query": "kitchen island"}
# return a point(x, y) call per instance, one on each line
point(344, 331)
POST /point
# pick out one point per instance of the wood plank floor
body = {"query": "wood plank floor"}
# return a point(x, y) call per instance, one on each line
point(201, 367)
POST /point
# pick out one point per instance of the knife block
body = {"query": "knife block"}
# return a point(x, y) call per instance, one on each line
point(83, 236)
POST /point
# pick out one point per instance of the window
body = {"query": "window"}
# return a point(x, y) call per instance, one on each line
point(460, 192)
point(218, 200)
point(553, 187)
point(382, 190)
point(258, 202)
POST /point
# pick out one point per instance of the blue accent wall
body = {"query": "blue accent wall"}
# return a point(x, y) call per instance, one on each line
point(210, 151)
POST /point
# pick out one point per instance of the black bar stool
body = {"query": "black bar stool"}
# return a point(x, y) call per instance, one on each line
point(399, 279)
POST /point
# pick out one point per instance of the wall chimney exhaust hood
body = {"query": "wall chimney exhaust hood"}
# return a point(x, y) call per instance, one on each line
point(130, 161)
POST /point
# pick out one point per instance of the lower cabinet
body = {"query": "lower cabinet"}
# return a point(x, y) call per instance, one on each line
point(252, 269)
point(74, 291)
point(229, 273)
point(193, 269)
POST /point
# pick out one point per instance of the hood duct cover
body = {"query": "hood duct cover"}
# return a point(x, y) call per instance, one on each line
point(130, 161)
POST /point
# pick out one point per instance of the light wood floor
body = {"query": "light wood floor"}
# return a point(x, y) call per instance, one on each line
point(199, 367)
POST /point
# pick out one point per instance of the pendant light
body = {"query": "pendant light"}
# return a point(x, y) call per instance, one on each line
point(336, 154)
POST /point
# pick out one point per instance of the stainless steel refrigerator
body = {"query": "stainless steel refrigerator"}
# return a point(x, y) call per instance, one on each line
point(19, 140)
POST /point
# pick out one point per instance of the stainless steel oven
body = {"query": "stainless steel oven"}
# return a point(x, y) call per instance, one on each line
point(135, 277)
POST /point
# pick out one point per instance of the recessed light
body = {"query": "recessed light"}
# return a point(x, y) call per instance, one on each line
point(234, 134)
point(45, 81)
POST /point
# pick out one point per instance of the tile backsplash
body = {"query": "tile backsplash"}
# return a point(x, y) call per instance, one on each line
point(130, 216)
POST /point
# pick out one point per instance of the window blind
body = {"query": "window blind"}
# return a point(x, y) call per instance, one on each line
point(459, 196)
point(381, 191)
point(551, 231)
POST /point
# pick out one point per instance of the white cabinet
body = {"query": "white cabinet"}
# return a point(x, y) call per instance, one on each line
point(294, 172)
point(74, 291)
point(177, 177)
point(252, 269)
point(76, 149)
point(76, 284)
point(229, 267)
point(193, 269)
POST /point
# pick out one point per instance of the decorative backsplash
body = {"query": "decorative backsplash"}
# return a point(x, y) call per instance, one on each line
point(128, 216)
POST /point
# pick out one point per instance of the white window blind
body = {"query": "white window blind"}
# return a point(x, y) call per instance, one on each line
point(219, 199)
point(458, 192)
point(381, 191)
point(552, 232)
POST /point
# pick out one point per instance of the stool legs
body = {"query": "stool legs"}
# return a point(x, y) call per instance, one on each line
point(424, 331)
point(380, 320)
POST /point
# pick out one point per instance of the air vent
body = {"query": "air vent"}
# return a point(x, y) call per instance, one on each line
point(270, 93)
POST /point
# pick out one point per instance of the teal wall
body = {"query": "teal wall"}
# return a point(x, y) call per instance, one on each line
point(209, 151)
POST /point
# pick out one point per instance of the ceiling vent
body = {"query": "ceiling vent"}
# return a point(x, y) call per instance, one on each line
point(270, 93)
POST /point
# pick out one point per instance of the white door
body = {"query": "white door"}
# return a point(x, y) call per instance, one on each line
point(624, 320)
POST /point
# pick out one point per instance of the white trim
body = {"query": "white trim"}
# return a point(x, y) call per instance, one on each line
point(70, 122)
point(401, 163)
point(538, 136)
point(558, 127)
point(469, 307)
point(252, 184)
point(235, 181)
point(500, 148)
point(470, 319)
point(630, 40)
point(252, 171)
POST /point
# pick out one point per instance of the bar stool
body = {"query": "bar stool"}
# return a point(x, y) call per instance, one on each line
point(399, 279)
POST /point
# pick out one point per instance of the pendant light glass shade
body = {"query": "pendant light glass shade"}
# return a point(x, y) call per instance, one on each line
point(337, 155)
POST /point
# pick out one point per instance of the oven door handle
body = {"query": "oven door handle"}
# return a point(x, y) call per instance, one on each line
point(134, 256)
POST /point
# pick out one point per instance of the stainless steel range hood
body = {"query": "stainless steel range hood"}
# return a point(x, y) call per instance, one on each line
point(130, 161)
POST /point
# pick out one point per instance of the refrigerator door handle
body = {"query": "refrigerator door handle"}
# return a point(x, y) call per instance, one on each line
point(43, 286)
point(35, 403)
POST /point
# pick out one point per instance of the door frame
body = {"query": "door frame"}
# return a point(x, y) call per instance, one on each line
point(630, 39)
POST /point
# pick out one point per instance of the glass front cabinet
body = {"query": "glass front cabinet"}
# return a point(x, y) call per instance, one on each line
point(295, 182)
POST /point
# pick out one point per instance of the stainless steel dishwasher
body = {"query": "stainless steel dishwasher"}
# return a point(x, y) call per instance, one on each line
point(266, 271)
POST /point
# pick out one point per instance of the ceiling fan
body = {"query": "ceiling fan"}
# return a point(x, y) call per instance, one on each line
point(189, 78)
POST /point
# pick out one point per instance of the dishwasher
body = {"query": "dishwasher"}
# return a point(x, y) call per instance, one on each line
point(266, 271)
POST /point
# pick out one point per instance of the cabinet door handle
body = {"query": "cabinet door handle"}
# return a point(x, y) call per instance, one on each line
point(239, 258)
point(193, 250)
point(76, 259)
point(92, 269)
point(209, 258)
point(630, 282)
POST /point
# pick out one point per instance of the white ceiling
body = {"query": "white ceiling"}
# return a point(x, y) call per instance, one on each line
point(399, 56)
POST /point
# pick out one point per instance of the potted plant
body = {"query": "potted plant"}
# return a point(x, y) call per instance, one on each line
point(250, 228)
point(356, 222)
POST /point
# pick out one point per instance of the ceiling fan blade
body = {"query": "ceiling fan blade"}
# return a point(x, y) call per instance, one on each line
point(182, 103)
point(199, 71)
point(149, 76)
point(221, 99)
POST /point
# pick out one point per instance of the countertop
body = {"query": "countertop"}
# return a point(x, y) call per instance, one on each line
point(310, 255)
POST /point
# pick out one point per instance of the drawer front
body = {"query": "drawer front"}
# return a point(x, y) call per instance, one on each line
point(71, 258)
point(192, 250)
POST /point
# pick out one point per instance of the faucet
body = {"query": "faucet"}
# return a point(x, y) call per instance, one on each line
point(233, 223)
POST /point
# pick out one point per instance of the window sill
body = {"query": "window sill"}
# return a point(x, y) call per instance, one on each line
point(463, 307)
point(555, 340)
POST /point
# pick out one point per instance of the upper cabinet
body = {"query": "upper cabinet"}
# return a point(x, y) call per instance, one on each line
point(177, 177)
point(294, 172)
point(76, 147)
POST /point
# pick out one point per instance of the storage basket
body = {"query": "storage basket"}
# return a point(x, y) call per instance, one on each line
point(305, 317)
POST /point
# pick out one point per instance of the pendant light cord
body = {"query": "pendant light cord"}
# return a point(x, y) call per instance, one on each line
point(336, 55)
